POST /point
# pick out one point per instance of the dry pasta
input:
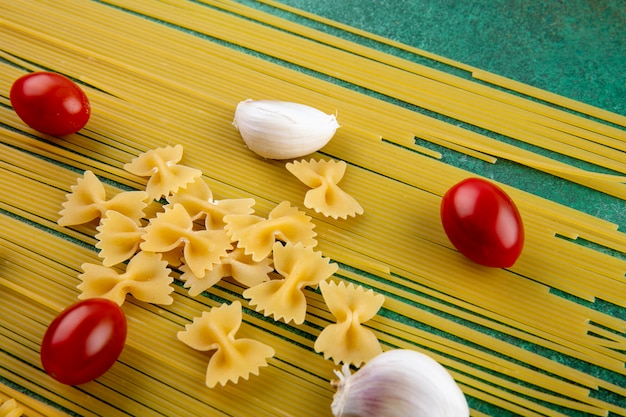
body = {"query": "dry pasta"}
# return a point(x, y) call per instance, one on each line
point(10, 408)
point(165, 174)
point(325, 195)
point(235, 264)
point(564, 300)
point(118, 237)
point(299, 266)
point(348, 341)
point(233, 358)
point(146, 278)
point(31, 406)
point(174, 228)
point(257, 235)
point(88, 201)
point(197, 199)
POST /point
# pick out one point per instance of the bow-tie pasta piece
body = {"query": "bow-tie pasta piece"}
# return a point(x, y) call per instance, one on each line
point(174, 228)
point(283, 298)
point(197, 199)
point(88, 201)
point(257, 235)
point(215, 330)
point(236, 264)
point(146, 278)
point(347, 340)
point(162, 167)
point(9, 408)
point(325, 196)
point(118, 238)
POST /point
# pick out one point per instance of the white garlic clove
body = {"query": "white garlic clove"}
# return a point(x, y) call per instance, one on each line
point(399, 383)
point(283, 130)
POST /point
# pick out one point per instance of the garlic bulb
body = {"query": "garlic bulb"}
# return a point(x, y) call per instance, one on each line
point(398, 383)
point(283, 130)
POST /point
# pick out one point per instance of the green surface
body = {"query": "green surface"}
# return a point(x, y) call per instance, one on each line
point(576, 48)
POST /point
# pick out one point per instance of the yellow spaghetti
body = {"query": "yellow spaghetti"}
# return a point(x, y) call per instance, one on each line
point(546, 337)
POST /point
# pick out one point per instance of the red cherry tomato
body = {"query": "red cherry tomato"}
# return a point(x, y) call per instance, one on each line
point(50, 103)
point(483, 223)
point(84, 341)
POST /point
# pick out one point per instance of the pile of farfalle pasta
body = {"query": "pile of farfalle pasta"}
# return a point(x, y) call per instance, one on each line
point(205, 240)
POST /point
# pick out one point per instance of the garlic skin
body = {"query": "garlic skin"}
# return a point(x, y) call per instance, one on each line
point(283, 130)
point(399, 383)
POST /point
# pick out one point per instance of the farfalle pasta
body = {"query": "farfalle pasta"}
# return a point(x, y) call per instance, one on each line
point(283, 298)
point(237, 265)
point(174, 228)
point(233, 358)
point(347, 340)
point(208, 240)
point(197, 199)
point(10, 408)
point(162, 167)
point(147, 278)
point(325, 196)
point(118, 238)
point(257, 235)
point(88, 201)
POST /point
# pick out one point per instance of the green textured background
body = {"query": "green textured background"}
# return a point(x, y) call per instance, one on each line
point(575, 48)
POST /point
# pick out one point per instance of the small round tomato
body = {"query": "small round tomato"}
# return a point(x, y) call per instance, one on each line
point(50, 103)
point(483, 223)
point(84, 341)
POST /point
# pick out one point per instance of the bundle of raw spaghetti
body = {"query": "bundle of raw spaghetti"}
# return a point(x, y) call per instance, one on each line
point(546, 336)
